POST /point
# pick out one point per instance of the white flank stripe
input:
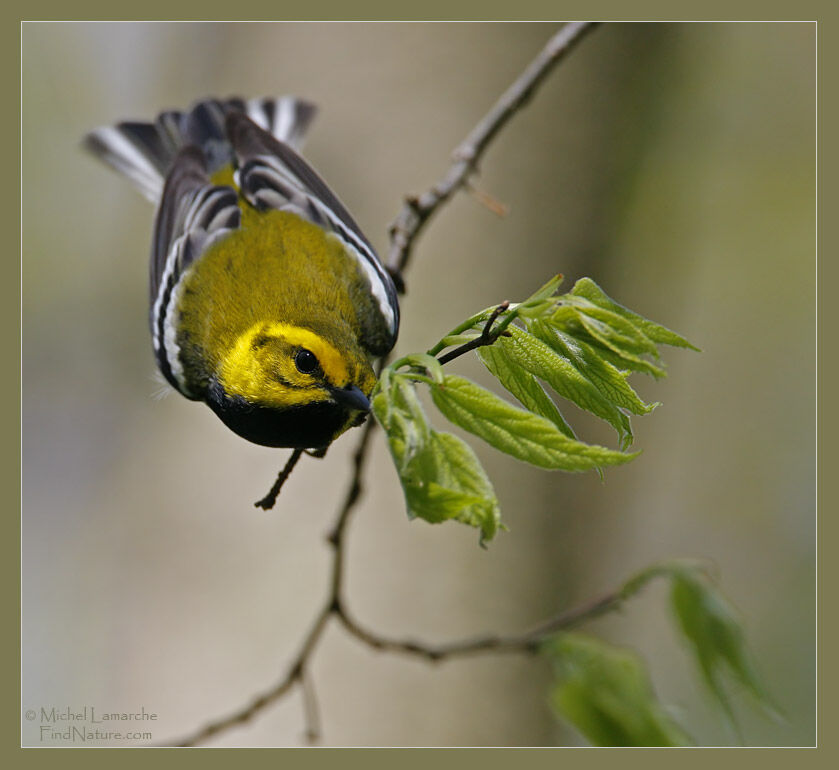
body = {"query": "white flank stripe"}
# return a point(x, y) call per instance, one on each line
point(161, 290)
point(168, 347)
point(170, 335)
point(377, 285)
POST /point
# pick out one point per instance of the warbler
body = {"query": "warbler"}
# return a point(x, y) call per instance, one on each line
point(267, 302)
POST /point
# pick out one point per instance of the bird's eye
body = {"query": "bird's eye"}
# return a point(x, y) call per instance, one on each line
point(306, 361)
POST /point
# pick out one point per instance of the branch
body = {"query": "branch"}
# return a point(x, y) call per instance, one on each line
point(297, 670)
point(267, 502)
point(260, 702)
point(417, 211)
point(486, 337)
point(528, 642)
point(404, 231)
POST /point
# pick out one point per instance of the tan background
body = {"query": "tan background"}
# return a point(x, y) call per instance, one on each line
point(674, 164)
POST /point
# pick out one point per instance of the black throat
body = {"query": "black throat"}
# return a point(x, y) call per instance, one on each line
point(310, 426)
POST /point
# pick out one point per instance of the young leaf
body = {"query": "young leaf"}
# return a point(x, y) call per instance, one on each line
point(608, 379)
point(517, 432)
point(440, 474)
point(535, 356)
point(715, 636)
point(606, 694)
point(523, 385)
point(631, 362)
point(611, 329)
point(546, 291)
point(613, 337)
point(458, 468)
point(401, 415)
point(588, 289)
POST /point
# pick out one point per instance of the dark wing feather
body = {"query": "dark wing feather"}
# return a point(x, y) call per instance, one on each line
point(193, 213)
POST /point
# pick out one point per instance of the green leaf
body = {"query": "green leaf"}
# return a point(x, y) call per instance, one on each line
point(517, 432)
point(546, 291)
point(458, 468)
point(523, 385)
point(611, 329)
point(716, 636)
point(605, 692)
point(613, 337)
point(607, 378)
point(632, 362)
point(537, 357)
point(588, 289)
point(441, 477)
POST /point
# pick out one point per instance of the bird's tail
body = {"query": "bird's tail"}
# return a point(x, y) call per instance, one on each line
point(143, 152)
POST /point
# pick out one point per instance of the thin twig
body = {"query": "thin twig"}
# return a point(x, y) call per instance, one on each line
point(417, 211)
point(267, 502)
point(310, 706)
point(486, 337)
point(268, 697)
point(528, 642)
point(331, 606)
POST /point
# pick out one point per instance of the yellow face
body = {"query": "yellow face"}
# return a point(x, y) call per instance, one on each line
point(280, 366)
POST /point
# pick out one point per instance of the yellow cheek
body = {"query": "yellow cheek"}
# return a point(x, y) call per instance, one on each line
point(331, 361)
point(247, 374)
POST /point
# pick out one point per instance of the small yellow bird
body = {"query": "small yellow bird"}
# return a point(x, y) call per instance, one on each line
point(267, 301)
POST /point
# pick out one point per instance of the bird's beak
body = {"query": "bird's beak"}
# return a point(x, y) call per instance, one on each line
point(351, 397)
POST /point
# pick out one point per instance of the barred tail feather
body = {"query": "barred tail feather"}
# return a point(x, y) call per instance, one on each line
point(125, 150)
point(144, 152)
point(286, 118)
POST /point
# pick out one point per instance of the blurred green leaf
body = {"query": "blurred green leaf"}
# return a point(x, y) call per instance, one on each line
point(517, 432)
point(716, 636)
point(605, 692)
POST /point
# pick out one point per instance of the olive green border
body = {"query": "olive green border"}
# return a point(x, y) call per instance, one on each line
point(421, 758)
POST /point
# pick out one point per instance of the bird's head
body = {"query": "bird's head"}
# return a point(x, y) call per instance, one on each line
point(289, 386)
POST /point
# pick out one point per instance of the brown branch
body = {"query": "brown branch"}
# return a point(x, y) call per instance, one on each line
point(331, 606)
point(404, 231)
point(271, 695)
point(528, 642)
point(417, 211)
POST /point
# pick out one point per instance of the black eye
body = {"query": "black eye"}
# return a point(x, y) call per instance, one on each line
point(306, 361)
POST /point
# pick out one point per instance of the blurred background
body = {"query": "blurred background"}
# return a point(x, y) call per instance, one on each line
point(674, 164)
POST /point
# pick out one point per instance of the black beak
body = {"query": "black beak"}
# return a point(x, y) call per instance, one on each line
point(351, 397)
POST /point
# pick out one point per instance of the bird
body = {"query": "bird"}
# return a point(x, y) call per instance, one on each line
point(267, 302)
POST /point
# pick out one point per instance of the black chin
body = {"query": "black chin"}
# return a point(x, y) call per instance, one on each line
point(301, 427)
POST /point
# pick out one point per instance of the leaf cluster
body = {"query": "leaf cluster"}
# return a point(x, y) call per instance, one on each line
point(580, 346)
